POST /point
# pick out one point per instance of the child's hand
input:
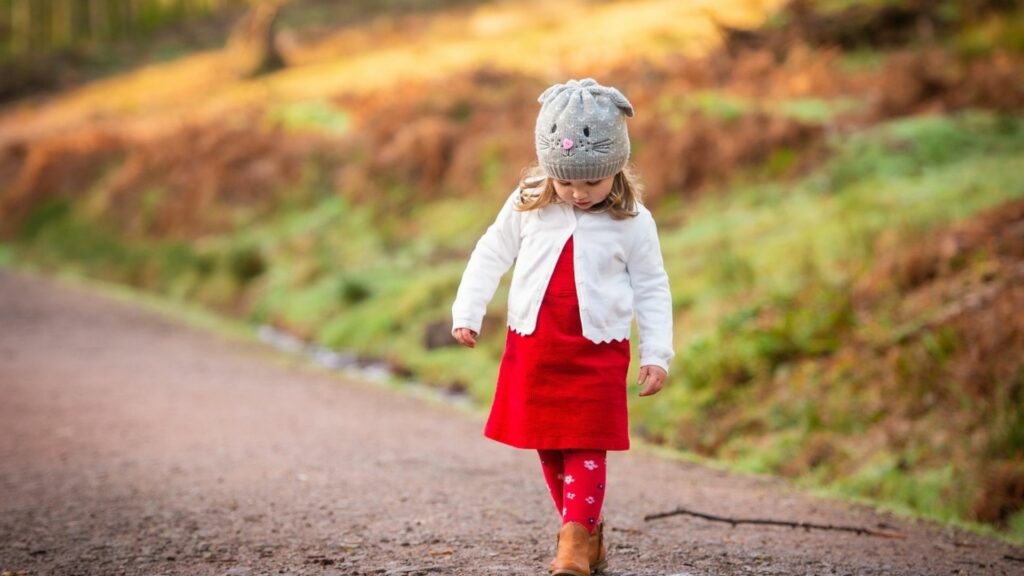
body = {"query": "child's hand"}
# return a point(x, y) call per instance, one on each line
point(652, 378)
point(466, 337)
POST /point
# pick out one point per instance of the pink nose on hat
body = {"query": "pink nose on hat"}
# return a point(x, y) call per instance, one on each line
point(567, 143)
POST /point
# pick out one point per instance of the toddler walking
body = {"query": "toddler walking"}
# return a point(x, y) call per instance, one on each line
point(587, 258)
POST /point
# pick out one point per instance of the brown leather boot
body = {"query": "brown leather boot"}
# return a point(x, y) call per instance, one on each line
point(572, 558)
point(598, 555)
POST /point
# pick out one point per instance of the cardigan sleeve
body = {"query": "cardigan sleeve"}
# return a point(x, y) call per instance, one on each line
point(652, 298)
point(494, 254)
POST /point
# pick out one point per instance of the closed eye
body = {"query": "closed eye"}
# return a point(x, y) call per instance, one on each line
point(567, 183)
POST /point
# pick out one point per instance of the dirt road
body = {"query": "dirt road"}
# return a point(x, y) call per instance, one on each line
point(130, 444)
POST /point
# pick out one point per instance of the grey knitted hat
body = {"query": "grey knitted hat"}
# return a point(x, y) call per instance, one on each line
point(581, 130)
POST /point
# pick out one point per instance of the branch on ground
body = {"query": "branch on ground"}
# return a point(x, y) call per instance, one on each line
point(804, 525)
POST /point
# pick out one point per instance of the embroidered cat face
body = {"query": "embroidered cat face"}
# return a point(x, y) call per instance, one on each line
point(569, 142)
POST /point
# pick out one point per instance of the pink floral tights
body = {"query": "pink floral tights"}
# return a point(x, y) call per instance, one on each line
point(576, 479)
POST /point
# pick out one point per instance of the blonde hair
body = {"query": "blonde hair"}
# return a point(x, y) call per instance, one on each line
point(537, 190)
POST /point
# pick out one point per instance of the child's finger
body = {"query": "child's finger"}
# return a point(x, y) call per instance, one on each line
point(653, 387)
point(466, 337)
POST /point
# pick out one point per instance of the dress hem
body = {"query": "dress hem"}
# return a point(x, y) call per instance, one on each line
point(564, 443)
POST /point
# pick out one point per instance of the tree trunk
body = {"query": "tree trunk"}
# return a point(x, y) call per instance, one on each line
point(81, 22)
point(252, 42)
point(61, 24)
point(21, 26)
point(99, 24)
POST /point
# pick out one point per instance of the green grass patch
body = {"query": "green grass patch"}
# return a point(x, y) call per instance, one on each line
point(728, 108)
point(310, 115)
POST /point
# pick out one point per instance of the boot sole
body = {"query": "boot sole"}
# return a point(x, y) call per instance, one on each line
point(564, 572)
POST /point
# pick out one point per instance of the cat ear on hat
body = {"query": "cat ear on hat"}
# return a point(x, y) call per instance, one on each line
point(550, 91)
point(616, 97)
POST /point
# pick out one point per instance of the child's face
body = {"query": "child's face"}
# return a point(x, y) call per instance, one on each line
point(584, 193)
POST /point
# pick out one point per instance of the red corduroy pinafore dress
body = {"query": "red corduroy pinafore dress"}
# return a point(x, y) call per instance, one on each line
point(557, 389)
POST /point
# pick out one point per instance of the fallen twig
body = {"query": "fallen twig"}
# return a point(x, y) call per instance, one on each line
point(804, 525)
point(1014, 558)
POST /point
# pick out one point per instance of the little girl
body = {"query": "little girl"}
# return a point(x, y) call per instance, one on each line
point(587, 258)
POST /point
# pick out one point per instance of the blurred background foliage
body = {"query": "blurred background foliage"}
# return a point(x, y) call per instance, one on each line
point(837, 186)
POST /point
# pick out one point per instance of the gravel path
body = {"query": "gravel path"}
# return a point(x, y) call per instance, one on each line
point(130, 444)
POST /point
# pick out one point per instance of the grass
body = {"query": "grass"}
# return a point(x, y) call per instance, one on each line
point(728, 108)
point(768, 275)
point(313, 114)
